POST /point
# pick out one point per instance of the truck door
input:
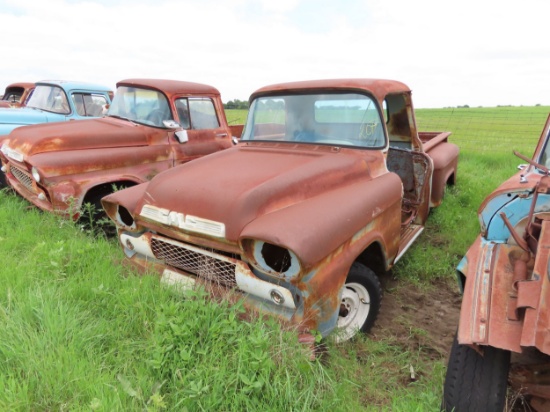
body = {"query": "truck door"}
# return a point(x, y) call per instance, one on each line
point(199, 119)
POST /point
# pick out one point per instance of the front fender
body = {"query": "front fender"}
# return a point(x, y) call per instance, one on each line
point(128, 198)
point(506, 296)
point(316, 227)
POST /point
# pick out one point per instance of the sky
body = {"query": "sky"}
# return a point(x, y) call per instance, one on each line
point(469, 52)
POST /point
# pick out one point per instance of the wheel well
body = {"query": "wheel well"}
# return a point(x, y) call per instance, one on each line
point(104, 189)
point(451, 181)
point(373, 257)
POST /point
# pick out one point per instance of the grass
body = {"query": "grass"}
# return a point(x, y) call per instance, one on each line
point(79, 333)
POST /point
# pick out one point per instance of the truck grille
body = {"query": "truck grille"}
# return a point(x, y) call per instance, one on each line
point(22, 177)
point(202, 265)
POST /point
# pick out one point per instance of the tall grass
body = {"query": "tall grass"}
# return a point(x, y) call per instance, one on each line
point(76, 333)
point(79, 332)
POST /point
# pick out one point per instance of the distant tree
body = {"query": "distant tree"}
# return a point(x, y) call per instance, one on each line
point(236, 104)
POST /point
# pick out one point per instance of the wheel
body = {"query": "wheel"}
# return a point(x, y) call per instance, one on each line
point(3, 182)
point(476, 382)
point(361, 297)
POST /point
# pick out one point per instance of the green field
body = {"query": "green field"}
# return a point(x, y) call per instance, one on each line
point(80, 332)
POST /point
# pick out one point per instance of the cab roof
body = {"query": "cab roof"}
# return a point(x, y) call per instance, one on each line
point(170, 87)
point(378, 87)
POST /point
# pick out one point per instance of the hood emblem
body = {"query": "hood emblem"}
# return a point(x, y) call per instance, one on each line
point(185, 222)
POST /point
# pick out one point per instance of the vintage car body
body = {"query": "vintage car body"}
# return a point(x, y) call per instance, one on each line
point(324, 188)
point(57, 101)
point(17, 94)
point(505, 279)
point(152, 125)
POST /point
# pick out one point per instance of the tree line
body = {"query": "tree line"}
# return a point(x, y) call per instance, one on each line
point(236, 104)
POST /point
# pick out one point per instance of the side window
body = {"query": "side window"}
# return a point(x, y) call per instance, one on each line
point(182, 107)
point(88, 104)
point(79, 104)
point(203, 114)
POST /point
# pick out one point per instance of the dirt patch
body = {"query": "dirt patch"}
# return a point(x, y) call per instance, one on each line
point(419, 318)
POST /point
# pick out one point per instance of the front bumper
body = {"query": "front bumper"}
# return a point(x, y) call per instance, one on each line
point(185, 264)
point(24, 184)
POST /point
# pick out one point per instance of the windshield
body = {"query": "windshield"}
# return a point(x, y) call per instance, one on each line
point(143, 106)
point(348, 119)
point(50, 98)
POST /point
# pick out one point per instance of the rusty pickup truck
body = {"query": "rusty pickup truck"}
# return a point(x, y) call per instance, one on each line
point(17, 94)
point(327, 188)
point(504, 327)
point(151, 126)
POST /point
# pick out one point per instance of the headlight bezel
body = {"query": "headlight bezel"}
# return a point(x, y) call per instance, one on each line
point(271, 259)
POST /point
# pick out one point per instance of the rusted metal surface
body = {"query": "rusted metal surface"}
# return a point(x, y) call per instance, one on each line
point(78, 161)
point(292, 218)
point(16, 94)
point(507, 279)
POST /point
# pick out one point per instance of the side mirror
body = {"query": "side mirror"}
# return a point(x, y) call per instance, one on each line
point(182, 137)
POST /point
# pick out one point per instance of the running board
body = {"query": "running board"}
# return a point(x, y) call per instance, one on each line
point(408, 236)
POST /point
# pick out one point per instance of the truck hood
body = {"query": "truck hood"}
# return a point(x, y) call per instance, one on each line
point(11, 118)
point(237, 185)
point(26, 115)
point(77, 135)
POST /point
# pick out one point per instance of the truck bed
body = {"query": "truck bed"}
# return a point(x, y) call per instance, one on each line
point(432, 139)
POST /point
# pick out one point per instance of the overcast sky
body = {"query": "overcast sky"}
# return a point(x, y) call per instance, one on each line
point(474, 52)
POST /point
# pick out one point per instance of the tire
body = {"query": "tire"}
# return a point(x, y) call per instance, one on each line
point(360, 304)
point(3, 181)
point(476, 382)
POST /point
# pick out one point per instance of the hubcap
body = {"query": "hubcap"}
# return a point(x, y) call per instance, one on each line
point(354, 310)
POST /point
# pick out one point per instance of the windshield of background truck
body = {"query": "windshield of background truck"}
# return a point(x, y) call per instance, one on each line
point(143, 106)
point(49, 98)
point(348, 119)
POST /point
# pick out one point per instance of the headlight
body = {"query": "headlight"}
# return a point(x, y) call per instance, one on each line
point(272, 259)
point(125, 217)
point(35, 174)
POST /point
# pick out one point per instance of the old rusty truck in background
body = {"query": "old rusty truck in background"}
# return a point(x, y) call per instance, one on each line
point(505, 280)
point(329, 185)
point(151, 126)
point(57, 101)
point(17, 94)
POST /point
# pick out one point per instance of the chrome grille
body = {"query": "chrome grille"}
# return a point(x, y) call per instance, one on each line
point(22, 177)
point(204, 266)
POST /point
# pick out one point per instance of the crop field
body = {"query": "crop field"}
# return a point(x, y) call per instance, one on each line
point(79, 331)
